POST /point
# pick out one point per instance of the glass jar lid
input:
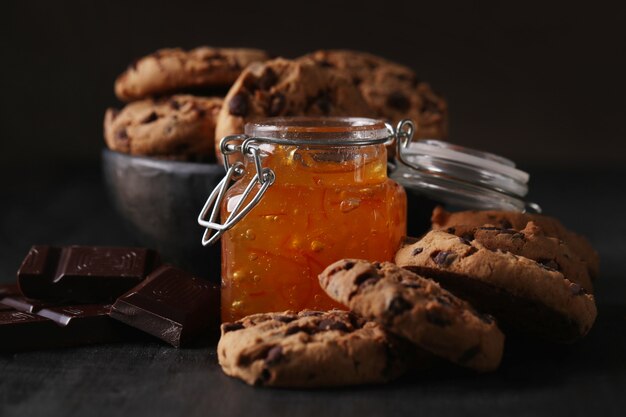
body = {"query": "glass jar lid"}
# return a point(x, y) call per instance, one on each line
point(462, 177)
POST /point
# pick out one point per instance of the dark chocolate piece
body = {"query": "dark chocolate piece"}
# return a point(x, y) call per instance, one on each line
point(83, 274)
point(171, 304)
point(29, 326)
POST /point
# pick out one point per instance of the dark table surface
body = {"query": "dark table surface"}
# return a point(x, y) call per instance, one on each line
point(68, 205)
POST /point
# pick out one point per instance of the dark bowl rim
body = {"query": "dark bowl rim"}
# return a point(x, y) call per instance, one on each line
point(157, 163)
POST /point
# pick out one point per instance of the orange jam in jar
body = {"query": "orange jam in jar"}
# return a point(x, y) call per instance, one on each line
point(330, 199)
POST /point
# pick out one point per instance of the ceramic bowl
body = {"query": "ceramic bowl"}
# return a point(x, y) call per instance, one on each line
point(160, 201)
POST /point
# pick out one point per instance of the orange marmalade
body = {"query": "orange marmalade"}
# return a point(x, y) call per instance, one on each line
point(327, 202)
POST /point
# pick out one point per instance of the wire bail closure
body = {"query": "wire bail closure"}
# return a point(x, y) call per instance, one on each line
point(264, 177)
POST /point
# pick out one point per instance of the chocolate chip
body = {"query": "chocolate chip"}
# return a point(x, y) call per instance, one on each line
point(323, 102)
point(174, 104)
point(506, 224)
point(200, 112)
point(267, 80)
point(469, 236)
point(368, 276)
point(437, 318)
point(121, 135)
point(469, 354)
point(230, 327)
point(277, 104)
point(296, 329)
point(150, 118)
point(310, 313)
point(283, 318)
point(464, 241)
point(325, 64)
point(274, 355)
point(508, 231)
point(549, 264)
point(417, 251)
point(451, 230)
point(443, 258)
point(355, 321)
point(429, 106)
point(251, 84)
point(519, 235)
point(470, 251)
point(266, 375)
point(399, 305)
point(329, 324)
point(576, 289)
point(238, 105)
point(348, 265)
point(398, 101)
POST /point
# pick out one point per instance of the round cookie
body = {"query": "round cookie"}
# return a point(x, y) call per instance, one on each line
point(392, 90)
point(520, 292)
point(282, 87)
point(441, 219)
point(174, 70)
point(417, 309)
point(177, 127)
point(530, 243)
point(309, 349)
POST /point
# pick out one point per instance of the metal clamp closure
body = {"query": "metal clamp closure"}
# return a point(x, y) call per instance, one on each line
point(264, 177)
point(404, 136)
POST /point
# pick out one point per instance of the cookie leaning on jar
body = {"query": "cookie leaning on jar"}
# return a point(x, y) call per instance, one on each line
point(399, 322)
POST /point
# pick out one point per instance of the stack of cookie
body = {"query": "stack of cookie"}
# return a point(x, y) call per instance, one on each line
point(175, 97)
point(526, 270)
point(183, 102)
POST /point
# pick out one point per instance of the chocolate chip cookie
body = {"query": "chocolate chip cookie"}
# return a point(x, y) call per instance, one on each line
point(520, 292)
point(176, 127)
point(550, 226)
point(175, 70)
point(417, 309)
point(392, 90)
point(309, 349)
point(282, 87)
point(531, 243)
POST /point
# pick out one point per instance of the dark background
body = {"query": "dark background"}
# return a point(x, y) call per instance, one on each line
point(542, 84)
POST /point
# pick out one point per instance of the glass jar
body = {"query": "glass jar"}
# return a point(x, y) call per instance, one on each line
point(310, 191)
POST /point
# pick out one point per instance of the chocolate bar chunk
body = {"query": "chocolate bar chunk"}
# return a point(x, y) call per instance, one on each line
point(83, 274)
point(28, 326)
point(172, 305)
